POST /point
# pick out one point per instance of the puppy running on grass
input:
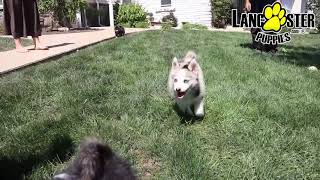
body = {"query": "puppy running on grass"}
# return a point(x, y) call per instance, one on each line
point(96, 161)
point(186, 85)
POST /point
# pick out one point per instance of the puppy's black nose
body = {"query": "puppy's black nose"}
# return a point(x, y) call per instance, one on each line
point(178, 90)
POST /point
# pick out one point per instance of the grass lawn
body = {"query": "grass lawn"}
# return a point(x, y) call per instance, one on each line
point(8, 44)
point(262, 111)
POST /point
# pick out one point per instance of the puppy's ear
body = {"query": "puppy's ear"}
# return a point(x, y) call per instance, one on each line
point(175, 63)
point(194, 66)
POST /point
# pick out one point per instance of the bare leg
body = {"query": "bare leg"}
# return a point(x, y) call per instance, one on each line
point(38, 45)
point(19, 47)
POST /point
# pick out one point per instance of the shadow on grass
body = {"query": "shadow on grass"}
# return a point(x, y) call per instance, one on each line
point(250, 46)
point(302, 56)
point(298, 55)
point(22, 165)
point(185, 118)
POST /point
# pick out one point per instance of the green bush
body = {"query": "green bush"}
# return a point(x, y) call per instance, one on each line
point(126, 25)
point(63, 10)
point(1, 27)
point(189, 26)
point(165, 26)
point(141, 24)
point(116, 7)
point(131, 14)
point(221, 12)
point(171, 19)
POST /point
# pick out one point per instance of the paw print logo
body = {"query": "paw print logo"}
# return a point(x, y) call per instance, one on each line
point(275, 17)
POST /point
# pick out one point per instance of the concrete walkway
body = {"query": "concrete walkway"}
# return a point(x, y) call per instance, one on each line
point(59, 44)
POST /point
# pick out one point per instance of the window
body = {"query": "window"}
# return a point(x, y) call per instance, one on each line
point(165, 2)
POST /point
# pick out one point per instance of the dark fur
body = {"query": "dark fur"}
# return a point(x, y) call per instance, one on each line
point(119, 31)
point(259, 45)
point(96, 161)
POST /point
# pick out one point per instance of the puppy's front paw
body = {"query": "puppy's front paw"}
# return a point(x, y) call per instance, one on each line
point(199, 112)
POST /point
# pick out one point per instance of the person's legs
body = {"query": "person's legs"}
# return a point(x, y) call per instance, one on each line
point(19, 46)
point(14, 22)
point(32, 21)
point(38, 45)
point(257, 7)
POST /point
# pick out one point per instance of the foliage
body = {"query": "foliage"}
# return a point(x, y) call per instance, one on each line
point(1, 27)
point(116, 12)
point(221, 12)
point(189, 26)
point(165, 26)
point(142, 24)
point(131, 14)
point(171, 19)
point(126, 25)
point(63, 10)
point(314, 6)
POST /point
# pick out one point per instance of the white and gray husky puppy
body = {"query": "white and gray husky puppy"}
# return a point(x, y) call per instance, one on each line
point(186, 85)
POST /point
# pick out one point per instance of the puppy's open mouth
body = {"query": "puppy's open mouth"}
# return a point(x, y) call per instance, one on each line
point(180, 94)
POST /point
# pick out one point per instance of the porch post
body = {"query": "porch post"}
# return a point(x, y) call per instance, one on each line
point(111, 13)
point(98, 8)
point(296, 8)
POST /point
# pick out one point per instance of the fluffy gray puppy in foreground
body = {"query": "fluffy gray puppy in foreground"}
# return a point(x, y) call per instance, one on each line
point(96, 161)
point(186, 85)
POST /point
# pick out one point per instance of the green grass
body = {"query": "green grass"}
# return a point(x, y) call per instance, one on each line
point(262, 111)
point(8, 44)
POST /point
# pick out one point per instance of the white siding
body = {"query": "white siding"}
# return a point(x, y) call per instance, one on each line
point(295, 6)
point(193, 11)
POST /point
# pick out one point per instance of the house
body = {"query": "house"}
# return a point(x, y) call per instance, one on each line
point(295, 6)
point(199, 11)
point(1, 8)
point(193, 11)
point(98, 13)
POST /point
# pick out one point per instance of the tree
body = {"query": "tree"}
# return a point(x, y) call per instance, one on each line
point(64, 11)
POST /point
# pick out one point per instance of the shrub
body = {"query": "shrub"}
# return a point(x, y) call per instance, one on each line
point(221, 12)
point(116, 12)
point(1, 26)
point(141, 24)
point(63, 10)
point(165, 26)
point(189, 26)
point(171, 19)
point(126, 25)
point(131, 14)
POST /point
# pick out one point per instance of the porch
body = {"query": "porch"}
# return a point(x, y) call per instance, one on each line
point(97, 13)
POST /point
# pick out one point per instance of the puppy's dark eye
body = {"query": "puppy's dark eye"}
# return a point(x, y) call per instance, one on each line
point(186, 81)
point(175, 80)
